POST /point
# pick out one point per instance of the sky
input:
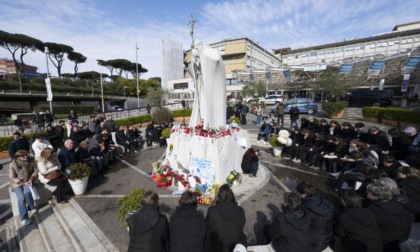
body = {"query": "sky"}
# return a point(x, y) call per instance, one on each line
point(107, 29)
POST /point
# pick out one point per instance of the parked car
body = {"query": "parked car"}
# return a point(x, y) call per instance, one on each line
point(305, 105)
point(271, 99)
point(367, 97)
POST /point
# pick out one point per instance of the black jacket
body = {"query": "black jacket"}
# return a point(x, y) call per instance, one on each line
point(356, 227)
point(149, 230)
point(187, 230)
point(15, 145)
point(322, 222)
point(225, 223)
point(411, 188)
point(290, 231)
point(247, 162)
point(394, 222)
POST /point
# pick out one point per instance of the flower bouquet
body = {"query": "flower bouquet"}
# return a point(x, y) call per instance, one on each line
point(278, 142)
point(233, 178)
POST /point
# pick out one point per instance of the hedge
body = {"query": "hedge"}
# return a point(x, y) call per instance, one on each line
point(81, 110)
point(373, 112)
point(133, 120)
point(398, 114)
point(182, 112)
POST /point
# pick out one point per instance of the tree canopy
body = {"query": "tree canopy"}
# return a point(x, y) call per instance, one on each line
point(77, 58)
point(18, 45)
point(56, 54)
point(253, 88)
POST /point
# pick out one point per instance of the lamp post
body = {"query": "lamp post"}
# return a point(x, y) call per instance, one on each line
point(47, 81)
point(137, 79)
point(102, 87)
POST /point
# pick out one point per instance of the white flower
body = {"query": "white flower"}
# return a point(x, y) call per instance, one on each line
point(284, 133)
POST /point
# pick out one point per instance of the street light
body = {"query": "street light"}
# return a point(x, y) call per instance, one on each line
point(102, 87)
point(137, 79)
point(47, 81)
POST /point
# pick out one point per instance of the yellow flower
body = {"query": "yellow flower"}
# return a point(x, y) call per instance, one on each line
point(231, 177)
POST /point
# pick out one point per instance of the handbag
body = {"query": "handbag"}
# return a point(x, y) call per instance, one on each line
point(34, 192)
point(53, 175)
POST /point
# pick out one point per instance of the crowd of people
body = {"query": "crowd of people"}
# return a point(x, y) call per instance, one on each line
point(50, 151)
point(376, 175)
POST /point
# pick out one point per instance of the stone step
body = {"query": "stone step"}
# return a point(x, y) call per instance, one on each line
point(55, 239)
point(82, 231)
point(29, 236)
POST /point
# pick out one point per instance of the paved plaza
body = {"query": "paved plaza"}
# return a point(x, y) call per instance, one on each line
point(260, 197)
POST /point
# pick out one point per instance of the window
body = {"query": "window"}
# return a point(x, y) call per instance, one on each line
point(180, 85)
point(313, 54)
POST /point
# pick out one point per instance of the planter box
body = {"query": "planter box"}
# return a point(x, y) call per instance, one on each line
point(371, 119)
point(394, 123)
point(407, 124)
point(337, 115)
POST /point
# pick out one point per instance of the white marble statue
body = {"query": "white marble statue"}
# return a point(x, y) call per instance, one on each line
point(208, 73)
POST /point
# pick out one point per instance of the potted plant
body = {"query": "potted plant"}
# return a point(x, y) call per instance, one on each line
point(278, 142)
point(129, 204)
point(335, 109)
point(78, 175)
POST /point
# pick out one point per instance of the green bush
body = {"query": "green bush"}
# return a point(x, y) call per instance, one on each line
point(81, 110)
point(166, 133)
point(133, 120)
point(162, 115)
point(373, 112)
point(129, 203)
point(182, 112)
point(273, 141)
point(237, 120)
point(332, 108)
point(78, 171)
point(392, 113)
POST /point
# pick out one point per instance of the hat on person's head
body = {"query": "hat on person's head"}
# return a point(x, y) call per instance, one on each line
point(74, 121)
point(373, 129)
point(49, 125)
point(38, 136)
point(410, 130)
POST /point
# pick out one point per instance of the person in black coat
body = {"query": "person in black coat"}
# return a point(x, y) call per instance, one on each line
point(225, 223)
point(18, 143)
point(290, 230)
point(148, 228)
point(394, 220)
point(294, 115)
point(54, 137)
point(355, 227)
point(409, 183)
point(249, 163)
point(187, 228)
point(323, 216)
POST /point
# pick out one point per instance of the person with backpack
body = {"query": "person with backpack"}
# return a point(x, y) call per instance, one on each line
point(280, 113)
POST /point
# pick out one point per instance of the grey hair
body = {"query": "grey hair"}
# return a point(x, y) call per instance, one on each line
point(391, 184)
point(410, 130)
point(380, 191)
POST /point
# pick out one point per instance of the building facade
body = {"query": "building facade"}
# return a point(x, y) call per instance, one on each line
point(172, 61)
point(241, 57)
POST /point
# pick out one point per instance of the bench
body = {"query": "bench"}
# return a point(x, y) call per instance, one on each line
point(44, 191)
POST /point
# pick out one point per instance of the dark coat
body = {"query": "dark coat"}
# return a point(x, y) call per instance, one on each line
point(149, 230)
point(187, 230)
point(411, 188)
point(247, 162)
point(290, 231)
point(225, 223)
point(15, 145)
point(322, 222)
point(394, 222)
point(356, 227)
point(294, 113)
point(67, 157)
